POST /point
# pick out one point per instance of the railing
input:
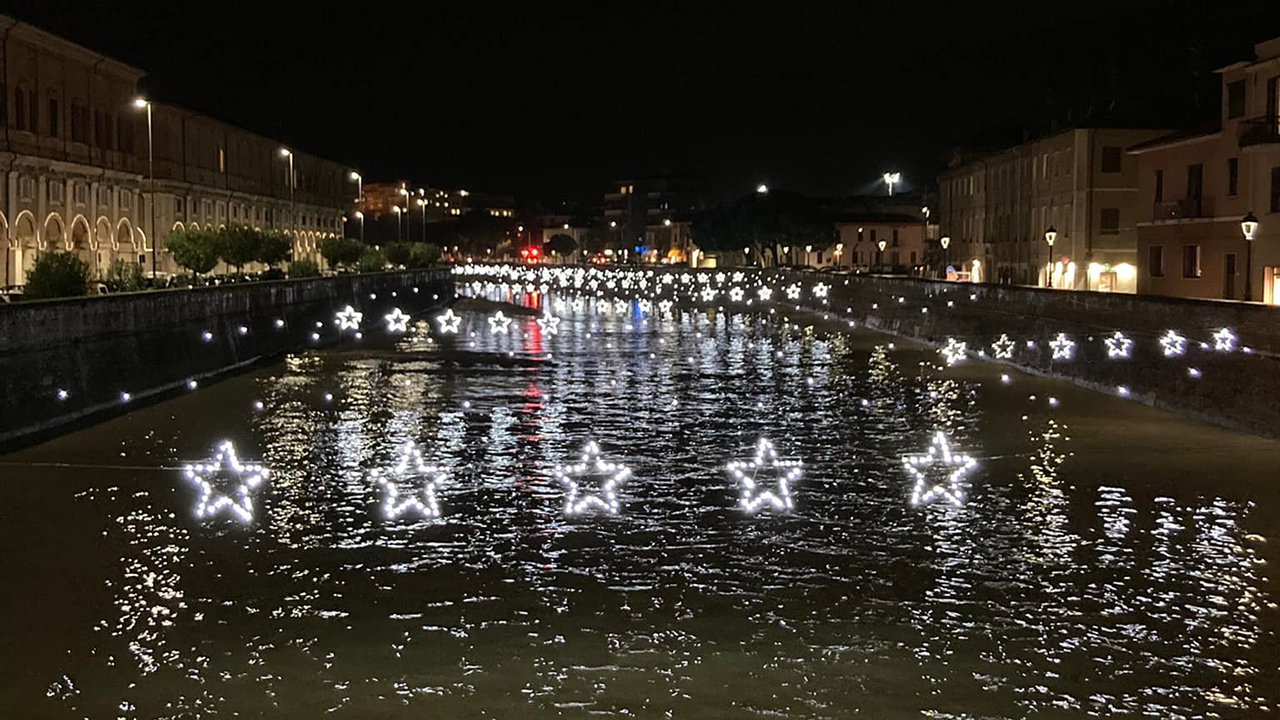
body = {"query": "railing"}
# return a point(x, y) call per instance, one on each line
point(1181, 209)
point(1259, 131)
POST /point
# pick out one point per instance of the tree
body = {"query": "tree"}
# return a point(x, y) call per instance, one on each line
point(371, 260)
point(422, 255)
point(239, 245)
point(398, 253)
point(303, 269)
point(57, 274)
point(763, 222)
point(124, 276)
point(274, 247)
point(560, 244)
point(195, 249)
point(340, 252)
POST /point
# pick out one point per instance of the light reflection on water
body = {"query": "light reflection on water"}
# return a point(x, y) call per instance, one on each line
point(1066, 583)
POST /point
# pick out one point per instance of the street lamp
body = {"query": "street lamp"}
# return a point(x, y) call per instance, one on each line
point(142, 103)
point(945, 242)
point(880, 258)
point(293, 217)
point(399, 220)
point(360, 216)
point(359, 187)
point(666, 222)
point(1249, 225)
point(892, 179)
point(422, 203)
point(762, 189)
point(839, 252)
point(1049, 236)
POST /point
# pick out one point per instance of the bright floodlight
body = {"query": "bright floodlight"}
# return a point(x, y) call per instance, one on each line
point(140, 102)
point(355, 175)
point(762, 188)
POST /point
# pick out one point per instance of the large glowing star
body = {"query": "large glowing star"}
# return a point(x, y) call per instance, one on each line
point(448, 322)
point(820, 290)
point(955, 466)
point(752, 493)
point(953, 351)
point(1118, 346)
point(611, 475)
point(550, 324)
point(499, 323)
point(735, 294)
point(764, 293)
point(1173, 344)
point(1224, 340)
point(708, 294)
point(1064, 348)
point(348, 319)
point(397, 322)
point(1002, 348)
point(410, 468)
point(236, 480)
point(793, 291)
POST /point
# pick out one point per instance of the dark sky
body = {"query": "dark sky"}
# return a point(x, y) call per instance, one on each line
point(551, 101)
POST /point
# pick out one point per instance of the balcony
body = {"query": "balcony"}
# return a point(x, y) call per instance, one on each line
point(1187, 209)
point(1259, 131)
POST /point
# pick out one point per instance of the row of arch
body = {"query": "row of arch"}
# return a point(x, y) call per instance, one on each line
point(23, 233)
point(306, 241)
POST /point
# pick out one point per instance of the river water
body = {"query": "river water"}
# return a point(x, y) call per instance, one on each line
point(1103, 559)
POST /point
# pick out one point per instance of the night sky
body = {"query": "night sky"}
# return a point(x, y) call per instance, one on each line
point(549, 102)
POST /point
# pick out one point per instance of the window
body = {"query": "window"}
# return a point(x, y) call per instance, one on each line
point(1110, 221)
point(222, 160)
point(1235, 99)
point(80, 192)
point(104, 196)
point(896, 259)
point(1159, 186)
point(54, 120)
point(1110, 159)
point(895, 237)
point(27, 188)
point(1275, 189)
point(79, 123)
point(57, 192)
point(1190, 261)
point(126, 200)
point(913, 258)
point(1155, 261)
point(179, 206)
point(1233, 176)
point(873, 236)
point(126, 134)
point(20, 109)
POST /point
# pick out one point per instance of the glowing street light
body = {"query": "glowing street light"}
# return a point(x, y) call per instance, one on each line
point(360, 216)
point(892, 179)
point(293, 217)
point(762, 189)
point(880, 257)
point(1249, 226)
point(142, 103)
point(1050, 236)
point(666, 222)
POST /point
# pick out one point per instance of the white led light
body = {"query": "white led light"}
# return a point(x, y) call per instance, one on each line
point(397, 322)
point(820, 290)
point(63, 394)
point(499, 323)
point(576, 501)
point(1224, 340)
point(1173, 344)
point(752, 493)
point(409, 467)
point(953, 351)
point(793, 291)
point(1002, 348)
point(448, 322)
point(243, 477)
point(708, 294)
point(764, 293)
point(1118, 346)
point(348, 319)
point(955, 465)
point(1064, 348)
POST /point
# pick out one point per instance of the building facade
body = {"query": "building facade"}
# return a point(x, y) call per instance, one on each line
point(1195, 189)
point(74, 165)
point(997, 208)
point(858, 244)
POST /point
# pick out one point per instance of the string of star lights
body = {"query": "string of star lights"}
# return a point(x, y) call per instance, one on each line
point(397, 321)
point(1002, 348)
point(448, 322)
point(226, 468)
point(754, 494)
point(1118, 346)
point(1064, 348)
point(1224, 340)
point(954, 351)
point(409, 466)
point(591, 464)
point(1173, 344)
point(956, 466)
point(499, 323)
point(348, 318)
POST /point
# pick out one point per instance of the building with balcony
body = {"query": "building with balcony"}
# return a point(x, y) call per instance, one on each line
point(858, 244)
point(996, 208)
point(74, 170)
point(634, 207)
point(1196, 187)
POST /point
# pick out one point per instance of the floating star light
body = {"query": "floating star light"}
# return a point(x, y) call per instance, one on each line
point(793, 291)
point(1063, 347)
point(577, 502)
point(956, 466)
point(753, 494)
point(664, 306)
point(348, 319)
point(764, 293)
point(226, 469)
point(953, 351)
point(1002, 348)
point(1224, 340)
point(550, 324)
point(448, 322)
point(1173, 344)
point(409, 467)
point(735, 294)
point(708, 294)
point(820, 290)
point(1118, 346)
point(499, 323)
point(397, 322)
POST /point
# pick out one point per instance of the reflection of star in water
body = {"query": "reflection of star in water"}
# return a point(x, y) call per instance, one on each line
point(1224, 340)
point(953, 351)
point(409, 466)
point(1173, 344)
point(752, 494)
point(499, 323)
point(226, 470)
point(348, 319)
point(550, 324)
point(939, 453)
point(1002, 348)
point(577, 502)
point(448, 322)
point(397, 322)
point(1118, 346)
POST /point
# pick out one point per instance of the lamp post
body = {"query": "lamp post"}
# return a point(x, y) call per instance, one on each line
point(1249, 225)
point(422, 203)
point(1049, 236)
point(839, 252)
point(945, 242)
point(359, 188)
point(807, 249)
point(880, 258)
point(360, 217)
point(141, 103)
point(892, 179)
point(762, 189)
point(293, 217)
point(399, 211)
point(405, 192)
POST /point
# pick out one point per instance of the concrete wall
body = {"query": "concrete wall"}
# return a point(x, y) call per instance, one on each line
point(146, 344)
point(1236, 390)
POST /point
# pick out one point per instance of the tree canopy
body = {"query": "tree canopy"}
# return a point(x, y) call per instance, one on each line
point(763, 222)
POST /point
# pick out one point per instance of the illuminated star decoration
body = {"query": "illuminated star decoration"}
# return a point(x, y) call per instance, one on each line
point(752, 495)
point(245, 477)
point(409, 466)
point(1002, 348)
point(1173, 344)
point(1118, 346)
point(448, 322)
point(348, 319)
point(735, 294)
point(793, 291)
point(820, 290)
point(1224, 340)
point(764, 293)
point(550, 324)
point(953, 351)
point(708, 294)
point(940, 453)
point(499, 323)
point(1063, 347)
point(397, 322)
point(577, 502)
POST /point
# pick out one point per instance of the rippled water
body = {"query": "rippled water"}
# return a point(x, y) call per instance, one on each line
point(1108, 559)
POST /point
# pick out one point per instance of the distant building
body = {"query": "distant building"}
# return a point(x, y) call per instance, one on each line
point(1195, 188)
point(858, 244)
point(635, 211)
point(73, 160)
point(435, 204)
point(997, 207)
